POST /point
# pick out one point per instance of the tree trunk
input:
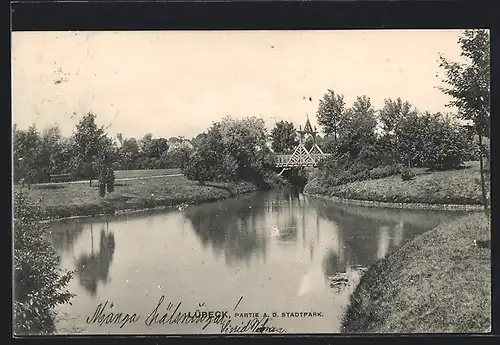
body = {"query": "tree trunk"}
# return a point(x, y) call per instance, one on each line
point(481, 167)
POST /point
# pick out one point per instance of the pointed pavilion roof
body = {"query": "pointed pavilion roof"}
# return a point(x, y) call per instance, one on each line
point(308, 128)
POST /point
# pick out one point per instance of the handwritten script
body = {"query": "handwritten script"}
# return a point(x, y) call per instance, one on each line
point(170, 313)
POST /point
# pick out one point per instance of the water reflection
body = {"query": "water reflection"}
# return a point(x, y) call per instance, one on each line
point(371, 233)
point(233, 229)
point(64, 235)
point(94, 267)
point(277, 248)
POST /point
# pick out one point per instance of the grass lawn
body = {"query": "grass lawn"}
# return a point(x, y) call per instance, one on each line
point(65, 200)
point(439, 187)
point(145, 173)
point(439, 282)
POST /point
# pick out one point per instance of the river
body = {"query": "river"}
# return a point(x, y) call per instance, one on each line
point(266, 252)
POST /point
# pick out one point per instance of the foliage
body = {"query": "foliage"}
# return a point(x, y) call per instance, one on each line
point(26, 154)
point(342, 169)
point(357, 127)
point(445, 143)
point(232, 149)
point(330, 112)
point(284, 137)
point(469, 83)
point(392, 113)
point(469, 86)
point(211, 161)
point(179, 155)
point(129, 154)
point(384, 171)
point(39, 282)
point(91, 144)
point(407, 174)
point(410, 142)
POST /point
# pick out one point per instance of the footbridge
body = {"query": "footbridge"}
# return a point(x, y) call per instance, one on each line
point(301, 156)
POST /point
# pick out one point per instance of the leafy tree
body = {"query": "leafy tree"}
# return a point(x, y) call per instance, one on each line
point(156, 148)
point(209, 162)
point(89, 144)
point(410, 133)
point(129, 154)
point(392, 112)
point(246, 141)
point(330, 112)
point(196, 141)
point(51, 151)
point(27, 154)
point(39, 282)
point(357, 127)
point(179, 154)
point(232, 149)
point(284, 137)
point(153, 152)
point(469, 86)
point(445, 143)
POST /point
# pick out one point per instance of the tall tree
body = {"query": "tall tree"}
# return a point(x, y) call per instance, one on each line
point(52, 150)
point(283, 137)
point(129, 153)
point(469, 86)
point(89, 144)
point(330, 111)
point(392, 112)
point(27, 154)
point(357, 127)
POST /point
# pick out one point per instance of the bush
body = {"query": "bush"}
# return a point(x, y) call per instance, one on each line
point(272, 180)
point(407, 174)
point(384, 171)
point(39, 282)
point(445, 144)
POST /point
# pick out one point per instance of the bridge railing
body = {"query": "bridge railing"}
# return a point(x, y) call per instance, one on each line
point(284, 160)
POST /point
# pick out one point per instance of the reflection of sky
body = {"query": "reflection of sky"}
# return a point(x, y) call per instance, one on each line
point(383, 241)
point(274, 248)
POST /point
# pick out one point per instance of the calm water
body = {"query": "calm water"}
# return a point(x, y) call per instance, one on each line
point(265, 252)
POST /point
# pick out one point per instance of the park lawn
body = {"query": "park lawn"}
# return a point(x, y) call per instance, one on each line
point(66, 200)
point(145, 173)
point(439, 282)
point(438, 187)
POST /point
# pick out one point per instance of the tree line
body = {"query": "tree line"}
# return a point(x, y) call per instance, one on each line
point(366, 143)
point(38, 155)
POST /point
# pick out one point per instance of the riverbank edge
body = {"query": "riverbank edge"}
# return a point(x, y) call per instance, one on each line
point(109, 211)
point(388, 282)
point(410, 206)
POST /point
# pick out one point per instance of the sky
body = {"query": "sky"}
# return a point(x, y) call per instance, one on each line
point(177, 83)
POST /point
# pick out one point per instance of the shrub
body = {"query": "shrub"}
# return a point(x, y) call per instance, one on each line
point(272, 180)
point(39, 282)
point(384, 171)
point(407, 174)
point(445, 144)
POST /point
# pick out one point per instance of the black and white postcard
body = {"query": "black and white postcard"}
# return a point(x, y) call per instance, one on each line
point(251, 182)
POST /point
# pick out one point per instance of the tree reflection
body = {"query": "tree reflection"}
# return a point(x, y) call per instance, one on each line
point(333, 263)
point(370, 234)
point(94, 268)
point(231, 227)
point(63, 235)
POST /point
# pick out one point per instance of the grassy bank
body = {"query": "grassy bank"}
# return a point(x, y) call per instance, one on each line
point(439, 282)
point(67, 200)
point(438, 187)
